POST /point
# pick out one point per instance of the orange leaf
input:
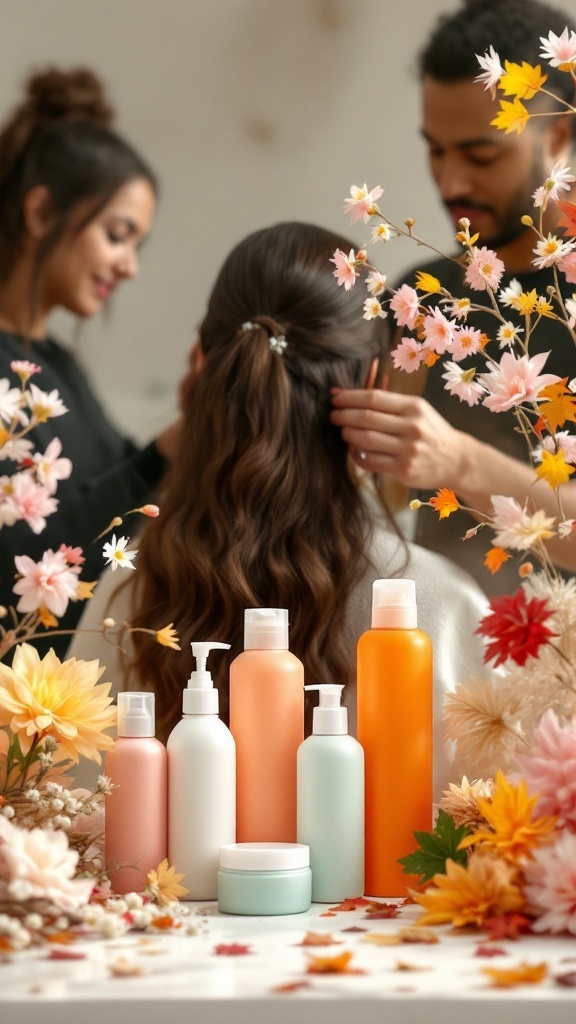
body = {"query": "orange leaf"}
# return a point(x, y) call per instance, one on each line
point(46, 618)
point(444, 502)
point(352, 903)
point(318, 939)
point(164, 922)
point(332, 964)
point(560, 407)
point(523, 974)
point(431, 358)
point(568, 218)
point(232, 949)
point(291, 986)
point(61, 938)
point(495, 558)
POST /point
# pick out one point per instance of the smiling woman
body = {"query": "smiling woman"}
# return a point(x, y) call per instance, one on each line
point(76, 203)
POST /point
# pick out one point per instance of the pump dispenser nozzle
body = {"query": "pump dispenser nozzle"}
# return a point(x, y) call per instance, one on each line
point(200, 697)
point(329, 718)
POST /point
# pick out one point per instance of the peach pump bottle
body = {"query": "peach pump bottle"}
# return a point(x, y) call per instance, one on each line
point(267, 723)
point(394, 725)
point(136, 831)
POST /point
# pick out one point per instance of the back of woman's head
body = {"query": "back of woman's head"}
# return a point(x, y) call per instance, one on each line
point(59, 137)
point(261, 508)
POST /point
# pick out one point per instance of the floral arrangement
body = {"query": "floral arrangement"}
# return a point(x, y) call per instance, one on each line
point(53, 881)
point(520, 723)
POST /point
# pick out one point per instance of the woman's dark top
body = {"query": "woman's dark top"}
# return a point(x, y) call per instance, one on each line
point(110, 475)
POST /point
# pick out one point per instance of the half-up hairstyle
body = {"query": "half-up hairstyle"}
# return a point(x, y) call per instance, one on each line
point(60, 137)
point(261, 508)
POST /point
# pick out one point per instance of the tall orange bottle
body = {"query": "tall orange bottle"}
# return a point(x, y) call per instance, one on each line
point(267, 723)
point(394, 712)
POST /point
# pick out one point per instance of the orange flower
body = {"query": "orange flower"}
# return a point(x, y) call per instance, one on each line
point(472, 894)
point(445, 502)
point(495, 558)
point(509, 813)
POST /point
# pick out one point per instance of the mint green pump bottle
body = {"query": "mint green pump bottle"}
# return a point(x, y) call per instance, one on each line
point(330, 801)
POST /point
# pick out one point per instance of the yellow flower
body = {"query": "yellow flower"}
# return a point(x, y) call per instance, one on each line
point(554, 469)
point(40, 698)
point(509, 813)
point(426, 282)
point(526, 302)
point(470, 895)
point(168, 637)
point(163, 884)
point(512, 116)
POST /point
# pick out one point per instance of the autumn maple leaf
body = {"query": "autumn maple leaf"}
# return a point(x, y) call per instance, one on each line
point(568, 218)
point(523, 81)
point(507, 926)
point(232, 949)
point(495, 558)
point(512, 116)
point(523, 974)
point(515, 628)
point(332, 964)
point(554, 469)
point(561, 405)
point(444, 502)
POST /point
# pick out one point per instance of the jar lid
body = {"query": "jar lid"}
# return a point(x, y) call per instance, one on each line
point(264, 856)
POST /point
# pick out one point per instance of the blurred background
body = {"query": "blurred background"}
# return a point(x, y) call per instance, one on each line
point(250, 112)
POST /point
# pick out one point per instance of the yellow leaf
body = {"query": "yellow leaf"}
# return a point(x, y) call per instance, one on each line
point(554, 469)
point(523, 974)
point(521, 81)
point(445, 502)
point(332, 964)
point(427, 282)
point(495, 558)
point(561, 405)
point(85, 589)
point(168, 637)
point(512, 116)
point(46, 618)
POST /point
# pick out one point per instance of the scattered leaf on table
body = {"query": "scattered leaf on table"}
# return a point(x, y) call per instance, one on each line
point(328, 913)
point(383, 938)
point(65, 954)
point(291, 986)
point(124, 968)
point(568, 979)
point(507, 926)
point(232, 949)
point(353, 904)
point(490, 951)
point(152, 951)
point(332, 964)
point(354, 928)
point(165, 922)
point(385, 910)
point(318, 939)
point(61, 938)
point(523, 974)
point(403, 965)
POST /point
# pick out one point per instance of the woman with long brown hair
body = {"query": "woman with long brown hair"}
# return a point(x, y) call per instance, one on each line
point(262, 506)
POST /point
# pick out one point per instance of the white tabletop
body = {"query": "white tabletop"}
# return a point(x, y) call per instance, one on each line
point(184, 979)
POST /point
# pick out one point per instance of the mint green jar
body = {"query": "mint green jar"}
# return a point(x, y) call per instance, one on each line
point(257, 879)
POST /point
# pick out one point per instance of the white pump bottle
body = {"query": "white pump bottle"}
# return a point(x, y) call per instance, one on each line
point(330, 783)
point(201, 783)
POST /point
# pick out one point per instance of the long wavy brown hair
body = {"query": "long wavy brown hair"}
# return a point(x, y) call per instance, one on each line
point(261, 508)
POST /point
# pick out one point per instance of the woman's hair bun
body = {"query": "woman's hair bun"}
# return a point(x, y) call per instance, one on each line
point(76, 95)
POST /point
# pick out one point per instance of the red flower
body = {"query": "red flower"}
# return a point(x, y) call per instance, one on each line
point(515, 627)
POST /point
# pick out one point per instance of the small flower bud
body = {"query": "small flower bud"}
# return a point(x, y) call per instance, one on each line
point(361, 256)
point(150, 510)
point(527, 221)
point(108, 623)
point(3, 611)
point(525, 569)
point(415, 504)
point(409, 222)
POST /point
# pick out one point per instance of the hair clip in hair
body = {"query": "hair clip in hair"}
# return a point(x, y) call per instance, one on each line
point(278, 344)
point(248, 325)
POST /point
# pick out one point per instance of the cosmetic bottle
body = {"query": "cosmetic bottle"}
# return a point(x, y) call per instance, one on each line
point(201, 783)
point(331, 801)
point(136, 810)
point(394, 726)
point(267, 722)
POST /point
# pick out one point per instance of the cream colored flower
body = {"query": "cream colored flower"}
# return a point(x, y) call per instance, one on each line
point(482, 717)
point(41, 698)
point(461, 802)
point(38, 863)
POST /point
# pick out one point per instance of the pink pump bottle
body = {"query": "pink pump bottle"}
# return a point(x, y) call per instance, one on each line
point(136, 830)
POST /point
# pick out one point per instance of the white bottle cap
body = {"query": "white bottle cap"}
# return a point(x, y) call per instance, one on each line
point(266, 629)
point(394, 604)
point(136, 714)
point(200, 697)
point(264, 856)
point(329, 718)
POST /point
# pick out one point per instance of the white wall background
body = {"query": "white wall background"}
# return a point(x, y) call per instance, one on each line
point(250, 111)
